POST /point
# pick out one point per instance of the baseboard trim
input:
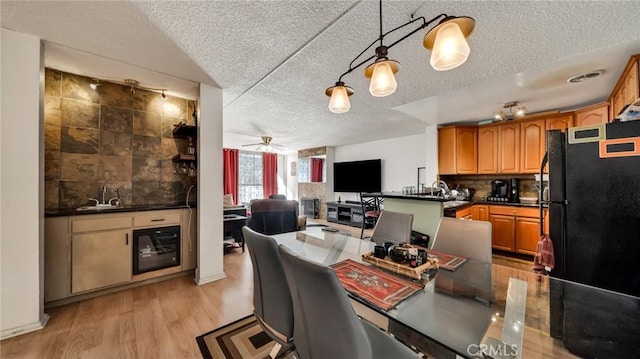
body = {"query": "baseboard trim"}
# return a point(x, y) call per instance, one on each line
point(28, 328)
point(209, 279)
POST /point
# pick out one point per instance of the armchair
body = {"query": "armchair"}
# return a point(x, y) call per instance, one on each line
point(273, 216)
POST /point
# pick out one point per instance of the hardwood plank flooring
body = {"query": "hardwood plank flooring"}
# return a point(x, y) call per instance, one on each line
point(161, 320)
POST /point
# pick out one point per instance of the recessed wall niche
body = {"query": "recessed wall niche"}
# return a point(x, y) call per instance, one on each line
point(111, 137)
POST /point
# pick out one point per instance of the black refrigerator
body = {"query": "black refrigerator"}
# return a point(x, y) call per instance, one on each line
point(594, 223)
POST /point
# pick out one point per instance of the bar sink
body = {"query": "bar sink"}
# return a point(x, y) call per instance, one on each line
point(97, 207)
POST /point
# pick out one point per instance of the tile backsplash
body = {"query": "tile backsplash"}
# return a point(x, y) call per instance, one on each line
point(482, 183)
point(111, 137)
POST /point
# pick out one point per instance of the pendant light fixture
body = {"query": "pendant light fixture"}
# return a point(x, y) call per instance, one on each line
point(449, 48)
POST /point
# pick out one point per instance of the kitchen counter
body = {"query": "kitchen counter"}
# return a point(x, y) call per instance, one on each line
point(417, 197)
point(58, 212)
point(508, 204)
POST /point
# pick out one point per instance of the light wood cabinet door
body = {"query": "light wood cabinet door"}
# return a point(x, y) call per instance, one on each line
point(480, 212)
point(57, 266)
point(464, 213)
point(527, 235)
point(189, 238)
point(509, 148)
point(488, 149)
point(446, 151)
point(559, 122)
point(503, 231)
point(467, 150)
point(100, 259)
point(617, 103)
point(593, 115)
point(631, 85)
point(532, 145)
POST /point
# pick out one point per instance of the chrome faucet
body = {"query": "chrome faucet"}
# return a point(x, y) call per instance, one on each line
point(443, 186)
point(104, 192)
point(117, 199)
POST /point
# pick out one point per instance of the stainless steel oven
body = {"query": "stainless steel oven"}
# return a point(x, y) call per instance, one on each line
point(155, 248)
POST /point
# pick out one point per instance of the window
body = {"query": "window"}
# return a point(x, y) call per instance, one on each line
point(304, 170)
point(250, 176)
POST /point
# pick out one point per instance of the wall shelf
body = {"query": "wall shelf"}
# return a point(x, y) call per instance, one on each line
point(183, 131)
point(183, 157)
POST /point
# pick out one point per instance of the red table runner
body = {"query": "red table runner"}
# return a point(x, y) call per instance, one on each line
point(382, 289)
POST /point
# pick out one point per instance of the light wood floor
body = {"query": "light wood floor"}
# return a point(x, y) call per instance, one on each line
point(160, 320)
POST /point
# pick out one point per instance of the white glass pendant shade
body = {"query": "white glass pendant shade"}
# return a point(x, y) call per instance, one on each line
point(450, 49)
point(339, 102)
point(383, 82)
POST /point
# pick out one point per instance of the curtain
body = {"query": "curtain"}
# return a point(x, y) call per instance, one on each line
point(316, 169)
point(231, 173)
point(269, 174)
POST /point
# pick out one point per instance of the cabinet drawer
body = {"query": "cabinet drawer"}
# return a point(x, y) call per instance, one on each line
point(515, 211)
point(100, 224)
point(156, 219)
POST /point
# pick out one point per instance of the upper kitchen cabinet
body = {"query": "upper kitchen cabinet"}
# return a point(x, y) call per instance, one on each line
point(593, 115)
point(561, 121)
point(509, 148)
point(532, 145)
point(627, 88)
point(488, 149)
point(457, 150)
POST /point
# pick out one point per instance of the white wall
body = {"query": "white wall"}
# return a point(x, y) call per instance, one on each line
point(210, 186)
point(431, 153)
point(291, 190)
point(400, 156)
point(21, 184)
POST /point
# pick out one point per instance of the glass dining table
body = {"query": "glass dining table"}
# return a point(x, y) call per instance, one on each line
point(496, 310)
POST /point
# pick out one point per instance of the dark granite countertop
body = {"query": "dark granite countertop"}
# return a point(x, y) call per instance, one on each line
point(418, 197)
point(59, 212)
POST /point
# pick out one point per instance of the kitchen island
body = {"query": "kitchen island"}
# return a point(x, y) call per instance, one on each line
point(426, 209)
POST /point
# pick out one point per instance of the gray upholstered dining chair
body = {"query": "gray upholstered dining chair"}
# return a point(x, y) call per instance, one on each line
point(392, 227)
point(272, 303)
point(325, 324)
point(467, 238)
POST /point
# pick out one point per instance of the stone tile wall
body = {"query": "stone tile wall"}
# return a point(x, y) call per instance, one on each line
point(314, 190)
point(111, 137)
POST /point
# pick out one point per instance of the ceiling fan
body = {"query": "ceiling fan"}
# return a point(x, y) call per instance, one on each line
point(266, 145)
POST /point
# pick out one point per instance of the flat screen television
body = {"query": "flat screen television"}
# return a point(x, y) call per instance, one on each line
point(357, 176)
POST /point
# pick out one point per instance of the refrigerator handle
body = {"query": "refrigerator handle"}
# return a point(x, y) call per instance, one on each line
point(545, 160)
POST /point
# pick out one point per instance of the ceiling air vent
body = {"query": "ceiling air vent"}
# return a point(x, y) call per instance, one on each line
point(585, 76)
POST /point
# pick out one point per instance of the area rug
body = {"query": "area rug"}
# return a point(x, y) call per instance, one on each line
point(243, 338)
point(377, 287)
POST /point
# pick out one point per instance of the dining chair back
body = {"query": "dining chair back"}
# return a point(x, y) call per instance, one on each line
point(325, 324)
point(272, 302)
point(467, 238)
point(393, 227)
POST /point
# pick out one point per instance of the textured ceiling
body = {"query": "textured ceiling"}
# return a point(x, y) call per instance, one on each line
point(274, 59)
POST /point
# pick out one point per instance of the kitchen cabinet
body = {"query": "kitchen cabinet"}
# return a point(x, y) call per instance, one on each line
point(532, 145)
point(57, 257)
point(515, 229)
point(627, 89)
point(457, 150)
point(560, 121)
point(100, 259)
point(503, 229)
point(592, 115)
point(464, 213)
point(488, 149)
point(480, 212)
point(86, 253)
point(509, 148)
point(527, 234)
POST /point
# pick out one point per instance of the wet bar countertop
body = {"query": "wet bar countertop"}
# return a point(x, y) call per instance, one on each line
point(59, 212)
